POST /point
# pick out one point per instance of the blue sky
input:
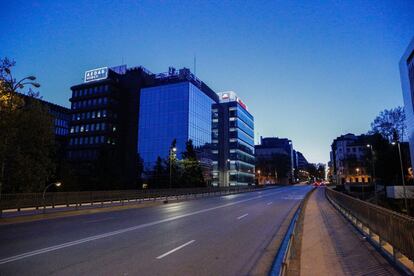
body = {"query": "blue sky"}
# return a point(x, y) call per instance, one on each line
point(308, 70)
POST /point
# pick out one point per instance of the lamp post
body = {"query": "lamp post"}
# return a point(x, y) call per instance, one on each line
point(228, 172)
point(373, 172)
point(172, 153)
point(258, 172)
point(57, 184)
point(357, 180)
point(402, 175)
point(12, 86)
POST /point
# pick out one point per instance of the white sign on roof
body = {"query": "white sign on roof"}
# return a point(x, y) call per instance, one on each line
point(96, 74)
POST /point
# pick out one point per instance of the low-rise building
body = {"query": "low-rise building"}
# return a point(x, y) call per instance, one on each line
point(275, 154)
point(351, 164)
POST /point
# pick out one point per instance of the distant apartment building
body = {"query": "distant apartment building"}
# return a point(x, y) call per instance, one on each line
point(302, 162)
point(349, 162)
point(61, 119)
point(274, 147)
point(407, 84)
point(176, 106)
point(104, 122)
point(233, 142)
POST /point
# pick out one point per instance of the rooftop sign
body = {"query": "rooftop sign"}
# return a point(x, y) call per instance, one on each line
point(96, 74)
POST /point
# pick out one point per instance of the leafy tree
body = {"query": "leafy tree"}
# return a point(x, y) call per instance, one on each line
point(192, 175)
point(26, 135)
point(171, 164)
point(390, 123)
point(278, 164)
point(159, 173)
point(320, 172)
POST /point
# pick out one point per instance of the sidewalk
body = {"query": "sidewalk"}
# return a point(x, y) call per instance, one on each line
point(331, 246)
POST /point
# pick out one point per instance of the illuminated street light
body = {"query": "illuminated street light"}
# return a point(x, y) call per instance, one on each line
point(373, 172)
point(228, 172)
point(57, 184)
point(402, 175)
point(172, 153)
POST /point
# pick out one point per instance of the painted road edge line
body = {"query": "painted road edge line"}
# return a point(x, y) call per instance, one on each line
point(175, 249)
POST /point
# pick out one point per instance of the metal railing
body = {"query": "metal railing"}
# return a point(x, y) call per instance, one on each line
point(23, 201)
point(390, 231)
point(289, 245)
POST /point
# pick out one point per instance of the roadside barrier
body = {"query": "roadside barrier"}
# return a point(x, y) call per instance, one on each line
point(390, 232)
point(35, 201)
point(286, 250)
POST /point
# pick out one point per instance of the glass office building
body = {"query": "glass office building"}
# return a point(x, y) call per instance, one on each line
point(233, 142)
point(104, 122)
point(407, 84)
point(178, 106)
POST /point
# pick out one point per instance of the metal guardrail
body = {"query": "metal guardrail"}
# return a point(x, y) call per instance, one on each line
point(281, 263)
point(391, 232)
point(22, 201)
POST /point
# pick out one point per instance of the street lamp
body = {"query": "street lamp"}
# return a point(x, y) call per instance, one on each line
point(228, 172)
point(357, 180)
point(57, 184)
point(258, 172)
point(172, 153)
point(402, 175)
point(373, 172)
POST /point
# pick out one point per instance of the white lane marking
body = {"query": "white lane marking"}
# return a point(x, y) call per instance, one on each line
point(175, 249)
point(242, 216)
point(269, 203)
point(98, 220)
point(121, 231)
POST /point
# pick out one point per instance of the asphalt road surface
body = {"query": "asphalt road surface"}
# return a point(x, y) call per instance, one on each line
point(211, 236)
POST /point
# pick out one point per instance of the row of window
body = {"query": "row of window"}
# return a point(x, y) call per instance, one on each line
point(359, 179)
point(90, 103)
point(353, 149)
point(61, 131)
point(90, 127)
point(91, 91)
point(89, 115)
point(61, 122)
point(91, 140)
point(83, 154)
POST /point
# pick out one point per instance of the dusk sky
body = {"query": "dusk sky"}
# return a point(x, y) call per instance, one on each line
point(308, 70)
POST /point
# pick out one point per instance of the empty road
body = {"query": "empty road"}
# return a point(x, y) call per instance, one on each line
point(211, 236)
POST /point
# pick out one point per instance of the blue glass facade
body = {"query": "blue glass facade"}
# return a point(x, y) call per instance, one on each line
point(178, 111)
point(407, 84)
